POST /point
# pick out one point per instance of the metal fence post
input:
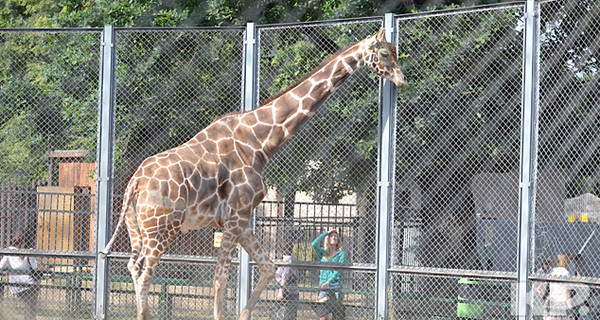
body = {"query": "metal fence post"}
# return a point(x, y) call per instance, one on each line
point(385, 183)
point(528, 145)
point(250, 74)
point(105, 166)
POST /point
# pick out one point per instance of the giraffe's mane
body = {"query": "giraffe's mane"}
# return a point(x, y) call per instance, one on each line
point(307, 75)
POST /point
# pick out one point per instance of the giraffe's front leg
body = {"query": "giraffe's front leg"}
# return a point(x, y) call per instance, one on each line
point(228, 245)
point(265, 265)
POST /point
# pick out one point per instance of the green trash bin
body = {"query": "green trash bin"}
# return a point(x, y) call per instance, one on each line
point(469, 295)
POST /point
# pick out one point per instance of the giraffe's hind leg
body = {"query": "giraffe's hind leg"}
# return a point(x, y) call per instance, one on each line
point(265, 265)
point(134, 265)
point(226, 252)
point(148, 264)
point(152, 246)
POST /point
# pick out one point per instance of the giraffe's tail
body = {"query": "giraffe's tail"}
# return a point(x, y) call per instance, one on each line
point(127, 202)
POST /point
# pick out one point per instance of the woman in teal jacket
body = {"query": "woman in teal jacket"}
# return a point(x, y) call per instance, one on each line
point(330, 281)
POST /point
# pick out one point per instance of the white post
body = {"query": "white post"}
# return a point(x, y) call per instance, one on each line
point(105, 166)
point(528, 145)
point(250, 68)
point(385, 181)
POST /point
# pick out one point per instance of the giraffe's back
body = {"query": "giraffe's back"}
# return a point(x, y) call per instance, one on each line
point(199, 182)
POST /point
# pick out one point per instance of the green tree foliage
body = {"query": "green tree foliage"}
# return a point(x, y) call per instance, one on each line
point(28, 13)
point(569, 99)
point(48, 99)
point(52, 78)
point(170, 13)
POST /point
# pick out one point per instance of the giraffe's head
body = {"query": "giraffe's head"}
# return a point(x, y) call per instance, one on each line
point(380, 56)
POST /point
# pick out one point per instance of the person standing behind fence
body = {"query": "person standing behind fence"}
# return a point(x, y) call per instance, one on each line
point(23, 285)
point(330, 281)
point(288, 295)
point(558, 303)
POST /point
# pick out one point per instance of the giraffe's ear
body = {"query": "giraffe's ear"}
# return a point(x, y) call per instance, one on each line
point(381, 35)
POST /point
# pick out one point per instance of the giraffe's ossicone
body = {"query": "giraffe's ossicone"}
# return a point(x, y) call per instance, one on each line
point(215, 179)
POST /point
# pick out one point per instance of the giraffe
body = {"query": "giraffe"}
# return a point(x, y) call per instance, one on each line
point(215, 179)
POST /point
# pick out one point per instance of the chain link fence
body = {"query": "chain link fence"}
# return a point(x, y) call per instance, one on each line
point(170, 85)
point(457, 163)
point(457, 158)
point(48, 103)
point(326, 163)
point(567, 214)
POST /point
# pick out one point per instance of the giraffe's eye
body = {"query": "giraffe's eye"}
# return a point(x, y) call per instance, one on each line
point(384, 54)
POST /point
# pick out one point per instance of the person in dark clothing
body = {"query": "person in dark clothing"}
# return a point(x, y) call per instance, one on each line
point(287, 294)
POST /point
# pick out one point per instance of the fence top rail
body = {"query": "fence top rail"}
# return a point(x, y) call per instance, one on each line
point(462, 10)
point(548, 1)
point(497, 275)
point(47, 253)
point(590, 281)
point(313, 265)
point(320, 22)
point(50, 30)
point(179, 29)
point(310, 203)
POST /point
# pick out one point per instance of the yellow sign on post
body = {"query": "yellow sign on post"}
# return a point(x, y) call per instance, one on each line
point(577, 217)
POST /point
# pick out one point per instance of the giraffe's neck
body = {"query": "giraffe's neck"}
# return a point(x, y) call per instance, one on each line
point(288, 111)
